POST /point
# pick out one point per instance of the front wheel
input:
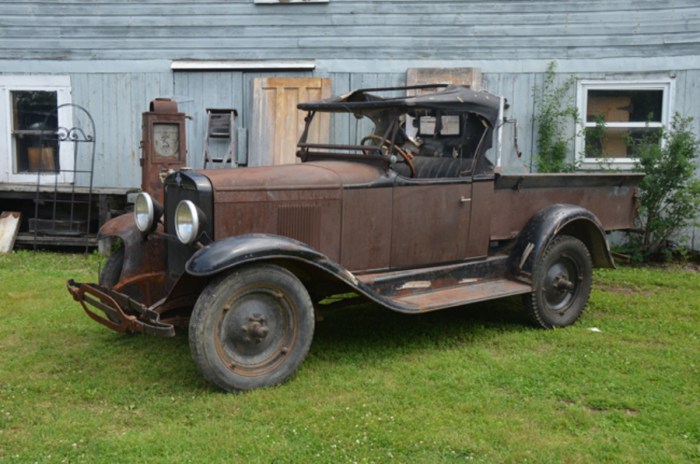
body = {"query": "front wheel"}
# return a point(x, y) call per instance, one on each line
point(561, 283)
point(113, 268)
point(251, 328)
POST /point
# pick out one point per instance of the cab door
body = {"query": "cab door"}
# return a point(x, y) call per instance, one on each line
point(430, 222)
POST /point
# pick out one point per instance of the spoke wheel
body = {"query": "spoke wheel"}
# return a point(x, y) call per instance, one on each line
point(251, 328)
point(561, 283)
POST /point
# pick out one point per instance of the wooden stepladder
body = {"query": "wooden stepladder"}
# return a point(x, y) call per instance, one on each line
point(220, 143)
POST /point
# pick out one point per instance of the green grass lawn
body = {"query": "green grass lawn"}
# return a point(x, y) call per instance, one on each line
point(473, 384)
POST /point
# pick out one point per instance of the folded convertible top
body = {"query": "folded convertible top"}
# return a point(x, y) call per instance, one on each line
point(451, 99)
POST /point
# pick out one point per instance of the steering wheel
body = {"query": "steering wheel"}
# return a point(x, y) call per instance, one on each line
point(407, 157)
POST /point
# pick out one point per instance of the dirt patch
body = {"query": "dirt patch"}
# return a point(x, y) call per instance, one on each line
point(623, 290)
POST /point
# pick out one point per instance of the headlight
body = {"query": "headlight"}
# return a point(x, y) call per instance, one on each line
point(146, 212)
point(187, 222)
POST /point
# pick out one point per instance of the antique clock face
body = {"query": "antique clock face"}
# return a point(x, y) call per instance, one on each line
point(166, 140)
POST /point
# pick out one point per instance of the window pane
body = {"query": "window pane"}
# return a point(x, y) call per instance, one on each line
point(625, 105)
point(617, 142)
point(35, 122)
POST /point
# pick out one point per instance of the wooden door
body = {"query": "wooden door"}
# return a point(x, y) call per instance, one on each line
point(276, 121)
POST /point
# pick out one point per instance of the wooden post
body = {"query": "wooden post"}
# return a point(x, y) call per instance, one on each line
point(9, 227)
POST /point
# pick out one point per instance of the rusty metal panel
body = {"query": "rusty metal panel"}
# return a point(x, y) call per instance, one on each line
point(366, 231)
point(480, 223)
point(163, 145)
point(430, 223)
point(269, 178)
point(472, 292)
point(300, 222)
point(314, 221)
point(610, 197)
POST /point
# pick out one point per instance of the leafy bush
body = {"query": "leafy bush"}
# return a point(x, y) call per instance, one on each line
point(552, 113)
point(670, 192)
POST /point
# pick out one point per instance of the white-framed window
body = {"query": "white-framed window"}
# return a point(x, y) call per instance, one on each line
point(29, 123)
point(613, 115)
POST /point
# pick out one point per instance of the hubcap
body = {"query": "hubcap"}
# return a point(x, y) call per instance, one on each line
point(256, 328)
point(254, 332)
point(561, 284)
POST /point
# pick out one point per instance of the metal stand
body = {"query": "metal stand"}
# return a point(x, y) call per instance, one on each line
point(221, 127)
point(69, 212)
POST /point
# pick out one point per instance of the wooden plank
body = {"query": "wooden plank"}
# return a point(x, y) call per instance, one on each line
point(277, 124)
point(9, 227)
point(57, 240)
point(470, 77)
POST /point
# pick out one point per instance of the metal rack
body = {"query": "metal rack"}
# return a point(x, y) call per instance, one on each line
point(67, 210)
point(221, 127)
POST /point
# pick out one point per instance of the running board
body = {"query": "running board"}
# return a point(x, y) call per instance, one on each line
point(466, 293)
point(430, 289)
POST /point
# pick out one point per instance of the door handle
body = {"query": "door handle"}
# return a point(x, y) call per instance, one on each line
point(465, 200)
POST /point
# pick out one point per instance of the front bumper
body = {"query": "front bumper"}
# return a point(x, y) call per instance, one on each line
point(121, 313)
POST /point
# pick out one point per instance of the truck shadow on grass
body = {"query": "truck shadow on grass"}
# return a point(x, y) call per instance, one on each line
point(369, 325)
point(362, 331)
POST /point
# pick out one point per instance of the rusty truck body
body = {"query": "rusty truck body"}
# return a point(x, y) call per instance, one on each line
point(412, 216)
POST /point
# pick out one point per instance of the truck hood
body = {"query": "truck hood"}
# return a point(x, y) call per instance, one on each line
point(325, 175)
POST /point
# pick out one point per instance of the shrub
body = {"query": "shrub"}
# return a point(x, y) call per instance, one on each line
point(552, 113)
point(670, 192)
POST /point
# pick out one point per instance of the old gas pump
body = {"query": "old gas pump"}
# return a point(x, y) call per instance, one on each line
point(163, 145)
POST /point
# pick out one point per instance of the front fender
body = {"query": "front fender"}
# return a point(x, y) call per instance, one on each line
point(556, 220)
point(124, 227)
point(234, 251)
point(144, 258)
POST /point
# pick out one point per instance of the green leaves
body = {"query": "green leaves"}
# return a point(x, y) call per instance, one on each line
point(670, 192)
point(551, 120)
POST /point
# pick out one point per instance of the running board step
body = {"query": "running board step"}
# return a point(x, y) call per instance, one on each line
point(465, 293)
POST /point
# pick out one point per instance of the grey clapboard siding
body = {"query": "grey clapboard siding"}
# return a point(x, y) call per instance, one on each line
point(117, 54)
point(553, 29)
point(116, 102)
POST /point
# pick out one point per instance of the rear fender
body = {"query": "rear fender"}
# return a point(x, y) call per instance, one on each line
point(556, 220)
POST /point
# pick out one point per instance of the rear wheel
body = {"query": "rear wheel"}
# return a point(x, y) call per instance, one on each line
point(561, 283)
point(251, 328)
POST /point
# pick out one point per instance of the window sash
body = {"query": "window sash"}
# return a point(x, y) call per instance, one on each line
point(584, 86)
point(8, 154)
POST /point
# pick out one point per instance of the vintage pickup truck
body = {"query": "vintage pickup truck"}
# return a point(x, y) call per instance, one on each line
point(412, 216)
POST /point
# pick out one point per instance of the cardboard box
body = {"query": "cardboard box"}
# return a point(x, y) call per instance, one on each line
point(613, 109)
point(43, 161)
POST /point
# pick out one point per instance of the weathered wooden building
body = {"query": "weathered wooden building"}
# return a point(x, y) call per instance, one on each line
point(629, 59)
